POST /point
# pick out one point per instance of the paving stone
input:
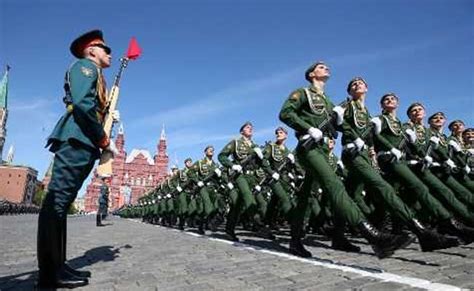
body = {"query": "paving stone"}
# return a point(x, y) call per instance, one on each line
point(128, 255)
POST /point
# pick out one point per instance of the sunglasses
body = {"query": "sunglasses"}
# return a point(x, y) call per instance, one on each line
point(104, 47)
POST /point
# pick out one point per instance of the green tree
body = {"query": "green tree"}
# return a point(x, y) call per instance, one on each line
point(39, 196)
point(72, 209)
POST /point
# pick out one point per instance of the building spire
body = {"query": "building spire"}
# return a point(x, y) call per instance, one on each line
point(10, 155)
point(4, 89)
point(163, 135)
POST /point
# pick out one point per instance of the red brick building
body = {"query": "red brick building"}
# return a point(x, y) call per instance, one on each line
point(134, 174)
point(18, 184)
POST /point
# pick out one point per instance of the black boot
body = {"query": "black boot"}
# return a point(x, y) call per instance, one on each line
point(181, 222)
point(98, 220)
point(201, 223)
point(51, 256)
point(383, 244)
point(429, 239)
point(454, 227)
point(340, 242)
point(262, 230)
point(297, 248)
point(65, 266)
point(231, 234)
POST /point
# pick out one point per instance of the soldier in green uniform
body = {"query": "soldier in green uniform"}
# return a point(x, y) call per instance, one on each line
point(183, 184)
point(468, 138)
point(76, 141)
point(390, 140)
point(206, 174)
point(441, 156)
point(309, 112)
point(280, 160)
point(246, 160)
point(357, 137)
point(459, 154)
point(419, 159)
point(103, 201)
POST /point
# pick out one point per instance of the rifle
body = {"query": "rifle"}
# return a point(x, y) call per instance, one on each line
point(105, 164)
point(327, 125)
point(428, 152)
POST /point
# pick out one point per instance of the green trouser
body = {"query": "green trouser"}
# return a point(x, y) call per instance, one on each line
point(72, 164)
point(444, 194)
point(183, 203)
point(194, 207)
point(355, 188)
point(242, 200)
point(170, 206)
point(261, 204)
point(162, 210)
point(465, 180)
point(280, 199)
point(199, 206)
point(360, 168)
point(461, 192)
point(401, 173)
point(208, 206)
point(317, 168)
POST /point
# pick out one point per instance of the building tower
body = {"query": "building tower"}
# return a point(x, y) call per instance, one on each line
point(3, 111)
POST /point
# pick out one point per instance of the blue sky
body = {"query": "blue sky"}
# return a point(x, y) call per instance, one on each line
point(208, 66)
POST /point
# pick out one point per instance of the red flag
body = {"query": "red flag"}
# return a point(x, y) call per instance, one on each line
point(134, 51)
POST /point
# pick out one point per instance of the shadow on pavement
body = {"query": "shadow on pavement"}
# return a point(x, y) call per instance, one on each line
point(26, 280)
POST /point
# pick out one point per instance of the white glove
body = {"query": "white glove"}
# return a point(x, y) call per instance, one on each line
point(320, 191)
point(411, 135)
point(359, 143)
point(378, 124)
point(300, 177)
point(258, 151)
point(397, 153)
point(258, 188)
point(315, 133)
point(112, 148)
point(428, 160)
point(450, 164)
point(455, 145)
point(115, 115)
point(230, 185)
point(200, 184)
point(434, 140)
point(237, 168)
point(340, 164)
point(159, 197)
point(179, 189)
point(168, 195)
point(218, 172)
point(340, 114)
point(275, 176)
point(291, 176)
point(293, 185)
point(470, 152)
point(467, 170)
point(291, 157)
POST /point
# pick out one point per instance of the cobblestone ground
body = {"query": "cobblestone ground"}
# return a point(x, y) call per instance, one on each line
point(129, 255)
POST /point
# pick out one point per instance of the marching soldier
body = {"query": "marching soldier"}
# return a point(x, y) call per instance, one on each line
point(206, 173)
point(309, 112)
point(441, 156)
point(76, 141)
point(280, 160)
point(357, 138)
point(103, 201)
point(390, 141)
point(458, 153)
point(246, 159)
